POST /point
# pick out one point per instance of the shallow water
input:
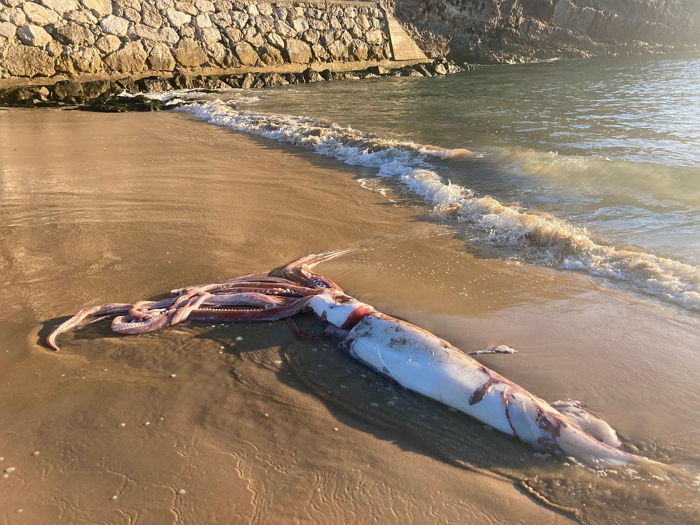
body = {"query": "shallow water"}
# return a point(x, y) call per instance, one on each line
point(608, 147)
point(125, 207)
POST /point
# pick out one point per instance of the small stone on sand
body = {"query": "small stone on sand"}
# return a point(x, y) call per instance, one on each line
point(9, 470)
point(181, 492)
point(173, 375)
point(122, 425)
point(335, 429)
point(35, 453)
point(239, 338)
point(147, 423)
point(266, 414)
point(114, 497)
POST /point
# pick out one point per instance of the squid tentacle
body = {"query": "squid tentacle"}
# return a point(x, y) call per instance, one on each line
point(300, 270)
point(104, 311)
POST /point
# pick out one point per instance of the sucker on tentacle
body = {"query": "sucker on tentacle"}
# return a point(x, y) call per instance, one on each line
point(415, 358)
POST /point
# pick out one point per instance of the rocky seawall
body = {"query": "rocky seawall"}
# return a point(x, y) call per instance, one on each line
point(77, 51)
point(492, 31)
point(45, 43)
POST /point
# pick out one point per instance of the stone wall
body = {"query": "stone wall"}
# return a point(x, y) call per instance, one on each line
point(522, 30)
point(52, 40)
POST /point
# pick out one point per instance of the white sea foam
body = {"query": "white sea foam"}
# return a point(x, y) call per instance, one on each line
point(372, 184)
point(553, 241)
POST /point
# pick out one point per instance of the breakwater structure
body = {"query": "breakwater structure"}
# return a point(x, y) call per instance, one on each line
point(68, 51)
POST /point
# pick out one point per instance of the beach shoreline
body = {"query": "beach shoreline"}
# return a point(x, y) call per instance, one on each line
point(243, 422)
point(116, 435)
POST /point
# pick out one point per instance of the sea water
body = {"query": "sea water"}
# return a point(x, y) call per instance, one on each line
point(591, 166)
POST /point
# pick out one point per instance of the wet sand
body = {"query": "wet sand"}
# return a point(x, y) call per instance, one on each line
point(258, 427)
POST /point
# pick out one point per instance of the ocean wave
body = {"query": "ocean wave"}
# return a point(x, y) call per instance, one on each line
point(647, 182)
point(547, 239)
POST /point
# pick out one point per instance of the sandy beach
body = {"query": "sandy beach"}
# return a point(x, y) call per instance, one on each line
point(245, 423)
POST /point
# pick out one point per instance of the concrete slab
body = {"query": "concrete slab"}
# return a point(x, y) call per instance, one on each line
point(402, 45)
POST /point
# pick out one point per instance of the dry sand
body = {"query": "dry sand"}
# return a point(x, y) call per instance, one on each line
point(245, 424)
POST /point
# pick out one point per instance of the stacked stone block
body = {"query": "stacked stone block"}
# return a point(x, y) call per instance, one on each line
point(105, 38)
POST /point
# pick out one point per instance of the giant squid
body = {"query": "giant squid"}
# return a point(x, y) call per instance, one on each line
point(413, 357)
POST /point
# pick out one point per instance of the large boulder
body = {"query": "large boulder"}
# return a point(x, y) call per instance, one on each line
point(15, 15)
point(115, 25)
point(141, 31)
point(239, 18)
point(108, 43)
point(270, 55)
point(7, 29)
point(32, 35)
point(320, 52)
point(209, 35)
point(178, 18)
point(189, 53)
point(129, 59)
point(219, 54)
point(168, 35)
point(245, 53)
point(39, 14)
point(275, 40)
point(28, 61)
point(205, 6)
point(150, 16)
point(297, 52)
point(338, 50)
point(160, 58)
point(87, 60)
point(61, 6)
point(374, 37)
point(359, 50)
point(99, 7)
point(75, 34)
point(203, 21)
